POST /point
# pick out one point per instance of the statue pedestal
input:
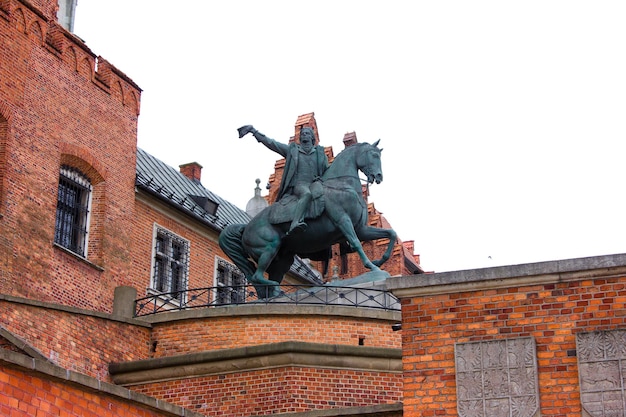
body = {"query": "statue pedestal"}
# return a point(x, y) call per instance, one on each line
point(366, 290)
point(368, 279)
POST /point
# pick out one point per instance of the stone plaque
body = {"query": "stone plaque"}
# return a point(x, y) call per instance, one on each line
point(602, 371)
point(497, 378)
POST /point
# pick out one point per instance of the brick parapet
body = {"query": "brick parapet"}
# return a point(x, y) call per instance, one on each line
point(549, 301)
point(249, 325)
point(45, 31)
point(259, 359)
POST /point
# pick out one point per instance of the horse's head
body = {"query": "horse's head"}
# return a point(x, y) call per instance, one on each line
point(368, 162)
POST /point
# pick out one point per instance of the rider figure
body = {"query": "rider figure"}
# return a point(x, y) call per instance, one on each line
point(305, 163)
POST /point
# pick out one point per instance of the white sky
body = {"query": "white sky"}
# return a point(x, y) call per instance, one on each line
point(503, 123)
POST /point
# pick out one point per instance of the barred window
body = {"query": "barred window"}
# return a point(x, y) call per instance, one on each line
point(170, 268)
point(72, 216)
point(230, 282)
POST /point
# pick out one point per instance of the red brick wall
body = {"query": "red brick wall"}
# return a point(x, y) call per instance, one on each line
point(189, 336)
point(282, 390)
point(28, 395)
point(59, 110)
point(85, 344)
point(550, 313)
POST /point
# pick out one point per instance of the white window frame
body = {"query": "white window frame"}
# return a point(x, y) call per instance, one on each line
point(169, 259)
point(234, 277)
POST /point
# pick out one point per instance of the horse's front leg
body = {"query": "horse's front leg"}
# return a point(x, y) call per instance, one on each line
point(347, 228)
point(368, 233)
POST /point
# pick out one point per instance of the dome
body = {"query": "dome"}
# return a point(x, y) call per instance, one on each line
point(256, 203)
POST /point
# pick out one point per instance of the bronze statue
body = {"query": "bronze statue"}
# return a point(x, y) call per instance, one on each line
point(304, 163)
point(337, 214)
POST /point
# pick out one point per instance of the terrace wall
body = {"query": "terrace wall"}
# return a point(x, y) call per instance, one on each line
point(550, 302)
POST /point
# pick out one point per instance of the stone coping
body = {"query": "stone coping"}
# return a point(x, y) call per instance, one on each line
point(380, 410)
point(48, 370)
point(539, 273)
point(269, 309)
point(22, 345)
point(252, 358)
point(72, 310)
point(213, 312)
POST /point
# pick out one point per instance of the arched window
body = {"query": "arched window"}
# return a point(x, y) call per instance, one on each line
point(73, 205)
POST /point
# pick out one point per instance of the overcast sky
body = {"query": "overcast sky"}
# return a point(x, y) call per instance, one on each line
point(503, 123)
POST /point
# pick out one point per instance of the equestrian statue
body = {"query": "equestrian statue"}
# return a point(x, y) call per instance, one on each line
point(319, 204)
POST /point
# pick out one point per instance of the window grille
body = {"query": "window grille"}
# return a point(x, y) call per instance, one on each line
point(72, 216)
point(231, 283)
point(171, 257)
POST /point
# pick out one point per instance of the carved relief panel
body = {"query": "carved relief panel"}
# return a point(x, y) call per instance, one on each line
point(497, 378)
point(602, 371)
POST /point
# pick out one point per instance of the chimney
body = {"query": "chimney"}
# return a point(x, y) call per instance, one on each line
point(349, 139)
point(192, 170)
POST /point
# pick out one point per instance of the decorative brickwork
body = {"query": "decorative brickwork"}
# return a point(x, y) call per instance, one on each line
point(56, 109)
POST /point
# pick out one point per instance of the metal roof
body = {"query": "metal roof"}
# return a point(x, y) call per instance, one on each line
point(159, 178)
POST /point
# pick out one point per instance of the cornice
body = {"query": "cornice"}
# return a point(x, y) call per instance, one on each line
point(540, 273)
point(254, 358)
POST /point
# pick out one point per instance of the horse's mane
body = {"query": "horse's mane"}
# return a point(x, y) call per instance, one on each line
point(352, 148)
point(344, 159)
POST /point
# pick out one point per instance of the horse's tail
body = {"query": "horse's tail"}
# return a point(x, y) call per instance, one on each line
point(230, 242)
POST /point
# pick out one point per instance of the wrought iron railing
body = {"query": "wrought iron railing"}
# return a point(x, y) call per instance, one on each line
point(247, 294)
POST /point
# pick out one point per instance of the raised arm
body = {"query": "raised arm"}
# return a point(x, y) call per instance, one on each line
point(270, 143)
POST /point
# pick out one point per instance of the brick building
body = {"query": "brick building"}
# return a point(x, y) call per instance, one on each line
point(89, 223)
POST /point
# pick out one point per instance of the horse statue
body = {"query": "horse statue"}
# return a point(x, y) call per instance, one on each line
point(263, 245)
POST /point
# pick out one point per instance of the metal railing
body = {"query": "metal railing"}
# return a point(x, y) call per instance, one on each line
point(247, 294)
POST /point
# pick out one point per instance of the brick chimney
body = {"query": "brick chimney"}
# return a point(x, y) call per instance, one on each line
point(192, 170)
point(306, 120)
point(349, 139)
